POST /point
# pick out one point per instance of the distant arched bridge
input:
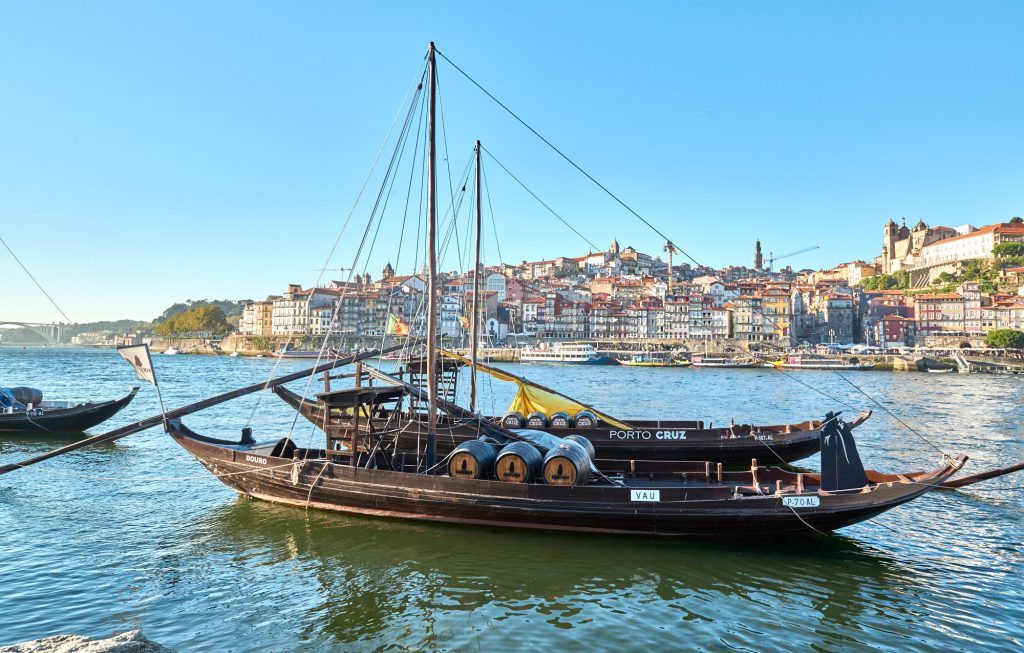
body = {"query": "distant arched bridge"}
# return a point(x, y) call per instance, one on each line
point(53, 333)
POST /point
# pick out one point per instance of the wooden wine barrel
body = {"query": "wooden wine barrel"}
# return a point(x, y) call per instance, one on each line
point(561, 421)
point(536, 421)
point(567, 464)
point(585, 443)
point(518, 462)
point(585, 420)
point(473, 459)
point(513, 420)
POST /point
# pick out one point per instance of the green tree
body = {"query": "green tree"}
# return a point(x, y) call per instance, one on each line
point(1016, 220)
point(206, 319)
point(897, 281)
point(1005, 338)
point(1008, 249)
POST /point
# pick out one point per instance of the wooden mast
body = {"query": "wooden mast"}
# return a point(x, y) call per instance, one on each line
point(474, 335)
point(432, 261)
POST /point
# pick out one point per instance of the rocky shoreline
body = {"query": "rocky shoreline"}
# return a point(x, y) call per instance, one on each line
point(132, 641)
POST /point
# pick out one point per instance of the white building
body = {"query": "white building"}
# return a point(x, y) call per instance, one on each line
point(301, 312)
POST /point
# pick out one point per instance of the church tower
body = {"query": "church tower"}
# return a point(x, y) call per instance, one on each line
point(388, 272)
point(614, 249)
point(758, 259)
point(890, 234)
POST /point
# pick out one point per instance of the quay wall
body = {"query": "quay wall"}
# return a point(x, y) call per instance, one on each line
point(263, 345)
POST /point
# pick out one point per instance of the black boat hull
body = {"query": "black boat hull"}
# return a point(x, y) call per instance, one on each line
point(649, 440)
point(704, 509)
point(65, 420)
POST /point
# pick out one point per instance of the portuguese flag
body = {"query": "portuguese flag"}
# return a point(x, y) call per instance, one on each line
point(396, 326)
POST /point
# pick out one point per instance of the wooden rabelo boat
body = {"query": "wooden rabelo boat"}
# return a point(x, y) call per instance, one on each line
point(625, 496)
point(402, 416)
point(532, 479)
point(40, 416)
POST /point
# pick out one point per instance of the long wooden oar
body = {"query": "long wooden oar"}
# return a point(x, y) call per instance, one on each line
point(156, 420)
point(983, 476)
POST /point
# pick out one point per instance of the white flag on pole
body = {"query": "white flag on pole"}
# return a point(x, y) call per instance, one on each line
point(138, 356)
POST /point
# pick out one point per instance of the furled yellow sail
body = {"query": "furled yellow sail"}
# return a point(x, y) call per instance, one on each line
point(533, 399)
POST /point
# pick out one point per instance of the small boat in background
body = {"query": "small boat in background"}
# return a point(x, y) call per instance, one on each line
point(23, 410)
point(707, 361)
point(565, 352)
point(171, 351)
point(803, 363)
point(655, 359)
point(233, 354)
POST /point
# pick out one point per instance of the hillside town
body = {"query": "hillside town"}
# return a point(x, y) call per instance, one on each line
point(927, 282)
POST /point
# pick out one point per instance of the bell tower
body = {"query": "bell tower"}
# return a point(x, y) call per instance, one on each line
point(758, 259)
point(890, 235)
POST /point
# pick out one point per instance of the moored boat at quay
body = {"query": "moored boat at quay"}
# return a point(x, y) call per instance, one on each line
point(710, 361)
point(649, 439)
point(654, 359)
point(669, 498)
point(23, 410)
point(564, 352)
point(525, 478)
point(800, 362)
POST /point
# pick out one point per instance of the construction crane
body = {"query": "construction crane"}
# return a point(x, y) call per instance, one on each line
point(772, 258)
point(671, 249)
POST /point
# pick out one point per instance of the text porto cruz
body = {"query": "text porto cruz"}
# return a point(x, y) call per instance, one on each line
point(646, 435)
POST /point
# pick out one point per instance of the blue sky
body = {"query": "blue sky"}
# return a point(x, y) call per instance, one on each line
point(155, 152)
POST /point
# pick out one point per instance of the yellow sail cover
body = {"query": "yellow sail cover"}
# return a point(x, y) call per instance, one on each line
point(531, 399)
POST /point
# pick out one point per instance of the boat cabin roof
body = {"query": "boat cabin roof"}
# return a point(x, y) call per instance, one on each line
point(351, 397)
point(419, 363)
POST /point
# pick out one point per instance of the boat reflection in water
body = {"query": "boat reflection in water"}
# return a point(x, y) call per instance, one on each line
point(434, 586)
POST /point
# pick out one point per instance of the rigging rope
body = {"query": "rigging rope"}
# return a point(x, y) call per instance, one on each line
point(490, 206)
point(890, 413)
point(417, 83)
point(644, 221)
point(559, 152)
point(542, 203)
point(38, 285)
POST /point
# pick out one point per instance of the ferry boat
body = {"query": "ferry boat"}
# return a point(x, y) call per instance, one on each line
point(803, 363)
point(564, 353)
point(654, 359)
point(707, 361)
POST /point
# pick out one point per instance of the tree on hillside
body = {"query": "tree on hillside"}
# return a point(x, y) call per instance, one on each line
point(1005, 338)
point(899, 280)
point(201, 321)
point(230, 307)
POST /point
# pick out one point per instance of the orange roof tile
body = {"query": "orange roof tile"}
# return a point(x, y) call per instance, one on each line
point(1009, 229)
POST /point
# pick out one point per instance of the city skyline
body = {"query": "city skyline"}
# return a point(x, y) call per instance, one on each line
point(172, 158)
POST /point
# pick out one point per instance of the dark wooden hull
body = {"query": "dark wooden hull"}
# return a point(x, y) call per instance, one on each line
point(65, 420)
point(702, 508)
point(650, 440)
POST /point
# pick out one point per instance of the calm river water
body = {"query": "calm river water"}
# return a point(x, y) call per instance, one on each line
point(137, 534)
